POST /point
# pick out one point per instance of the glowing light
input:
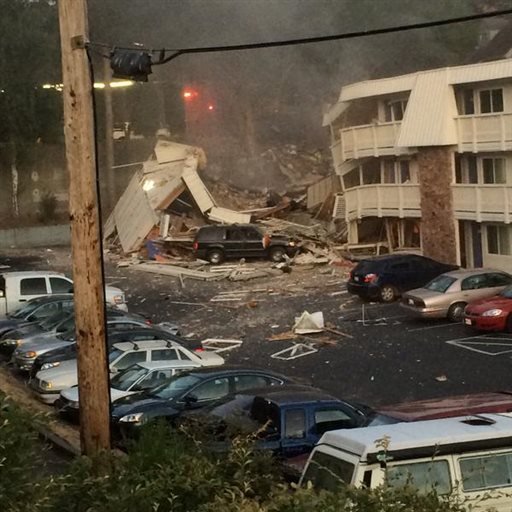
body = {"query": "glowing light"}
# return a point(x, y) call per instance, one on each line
point(148, 185)
point(189, 94)
point(210, 107)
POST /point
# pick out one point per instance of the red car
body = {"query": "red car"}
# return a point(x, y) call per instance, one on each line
point(493, 314)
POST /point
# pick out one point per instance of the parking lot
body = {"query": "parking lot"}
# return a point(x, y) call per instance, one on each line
point(379, 354)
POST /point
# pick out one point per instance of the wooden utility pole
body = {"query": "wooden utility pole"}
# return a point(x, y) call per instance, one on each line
point(109, 136)
point(85, 228)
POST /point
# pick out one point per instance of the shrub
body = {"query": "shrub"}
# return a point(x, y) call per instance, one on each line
point(168, 471)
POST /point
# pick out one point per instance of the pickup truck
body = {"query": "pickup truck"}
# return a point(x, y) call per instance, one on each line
point(288, 420)
point(16, 288)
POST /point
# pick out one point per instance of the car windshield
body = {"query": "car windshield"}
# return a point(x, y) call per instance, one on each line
point(52, 321)
point(123, 381)
point(26, 310)
point(114, 354)
point(440, 283)
point(507, 292)
point(175, 387)
point(69, 335)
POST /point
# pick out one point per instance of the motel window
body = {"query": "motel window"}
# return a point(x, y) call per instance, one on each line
point(468, 102)
point(394, 110)
point(498, 240)
point(352, 179)
point(388, 171)
point(494, 170)
point(491, 100)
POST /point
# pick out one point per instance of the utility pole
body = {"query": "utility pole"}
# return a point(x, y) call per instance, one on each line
point(109, 136)
point(85, 228)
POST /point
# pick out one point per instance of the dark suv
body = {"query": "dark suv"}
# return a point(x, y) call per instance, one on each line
point(387, 277)
point(217, 243)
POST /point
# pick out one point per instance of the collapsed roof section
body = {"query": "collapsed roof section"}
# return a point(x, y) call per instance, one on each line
point(172, 170)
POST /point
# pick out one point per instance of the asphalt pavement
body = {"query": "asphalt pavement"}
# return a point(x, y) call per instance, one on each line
point(382, 355)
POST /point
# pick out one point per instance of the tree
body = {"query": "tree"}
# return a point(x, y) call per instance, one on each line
point(29, 58)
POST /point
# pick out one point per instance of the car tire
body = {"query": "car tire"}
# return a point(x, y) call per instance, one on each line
point(277, 254)
point(388, 293)
point(215, 256)
point(456, 312)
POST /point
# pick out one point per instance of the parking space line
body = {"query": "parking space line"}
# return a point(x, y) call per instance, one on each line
point(431, 327)
point(468, 345)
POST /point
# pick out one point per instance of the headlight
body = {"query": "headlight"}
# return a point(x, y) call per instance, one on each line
point(47, 366)
point(291, 244)
point(11, 343)
point(29, 355)
point(118, 299)
point(46, 385)
point(138, 417)
point(492, 312)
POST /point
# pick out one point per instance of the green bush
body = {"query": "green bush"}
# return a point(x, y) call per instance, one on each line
point(171, 471)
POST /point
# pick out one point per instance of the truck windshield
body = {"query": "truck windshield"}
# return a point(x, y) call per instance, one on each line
point(327, 472)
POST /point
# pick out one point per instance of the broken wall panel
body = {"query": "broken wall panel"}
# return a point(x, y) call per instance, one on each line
point(225, 216)
point(197, 188)
point(133, 216)
point(319, 192)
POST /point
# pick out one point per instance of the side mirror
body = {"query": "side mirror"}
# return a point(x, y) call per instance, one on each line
point(190, 399)
point(114, 370)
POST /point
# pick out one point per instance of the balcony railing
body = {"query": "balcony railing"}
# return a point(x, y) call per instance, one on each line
point(483, 203)
point(383, 200)
point(485, 132)
point(375, 139)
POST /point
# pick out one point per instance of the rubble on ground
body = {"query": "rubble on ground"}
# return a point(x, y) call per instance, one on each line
point(167, 201)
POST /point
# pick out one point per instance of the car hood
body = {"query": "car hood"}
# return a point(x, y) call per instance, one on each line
point(73, 394)
point(23, 332)
point(65, 374)
point(151, 406)
point(496, 302)
point(41, 345)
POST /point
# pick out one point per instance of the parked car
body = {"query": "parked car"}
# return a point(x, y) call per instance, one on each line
point(28, 351)
point(115, 334)
point(448, 294)
point(465, 458)
point(495, 402)
point(288, 420)
point(59, 328)
point(136, 378)
point(49, 383)
point(35, 311)
point(16, 288)
point(189, 390)
point(387, 277)
point(492, 314)
point(217, 243)
point(55, 324)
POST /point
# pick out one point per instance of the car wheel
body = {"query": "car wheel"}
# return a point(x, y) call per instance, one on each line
point(388, 293)
point(456, 312)
point(277, 254)
point(215, 256)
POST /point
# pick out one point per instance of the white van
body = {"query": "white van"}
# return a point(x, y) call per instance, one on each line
point(469, 457)
point(17, 288)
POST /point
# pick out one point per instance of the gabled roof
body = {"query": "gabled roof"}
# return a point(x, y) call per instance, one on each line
point(499, 47)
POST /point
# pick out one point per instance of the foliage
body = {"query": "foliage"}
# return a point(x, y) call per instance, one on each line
point(171, 471)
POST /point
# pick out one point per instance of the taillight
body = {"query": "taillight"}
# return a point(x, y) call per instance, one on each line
point(370, 278)
point(148, 322)
point(195, 246)
point(199, 349)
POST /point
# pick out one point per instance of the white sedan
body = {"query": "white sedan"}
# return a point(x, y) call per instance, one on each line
point(136, 378)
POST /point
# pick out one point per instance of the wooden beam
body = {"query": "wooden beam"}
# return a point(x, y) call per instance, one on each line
point(85, 228)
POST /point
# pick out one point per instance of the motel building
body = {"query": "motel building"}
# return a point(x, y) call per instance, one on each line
point(425, 162)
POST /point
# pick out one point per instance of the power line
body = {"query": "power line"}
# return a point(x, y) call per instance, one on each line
point(176, 52)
